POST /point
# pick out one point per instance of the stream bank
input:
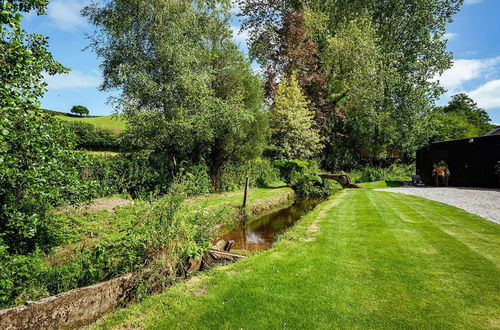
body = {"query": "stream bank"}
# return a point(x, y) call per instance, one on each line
point(260, 232)
point(82, 306)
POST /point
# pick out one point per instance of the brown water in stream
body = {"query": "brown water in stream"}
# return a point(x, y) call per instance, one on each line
point(260, 233)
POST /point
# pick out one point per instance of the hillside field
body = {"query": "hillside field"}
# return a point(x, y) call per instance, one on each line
point(113, 123)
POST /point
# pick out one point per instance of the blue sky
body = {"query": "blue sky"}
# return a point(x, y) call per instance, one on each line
point(474, 38)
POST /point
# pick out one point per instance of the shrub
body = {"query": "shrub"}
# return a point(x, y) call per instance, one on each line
point(36, 172)
point(395, 172)
point(171, 225)
point(401, 172)
point(372, 174)
point(291, 169)
point(301, 176)
point(196, 180)
point(145, 175)
point(265, 173)
point(260, 171)
point(19, 277)
point(90, 137)
point(171, 234)
point(139, 174)
point(168, 233)
point(312, 186)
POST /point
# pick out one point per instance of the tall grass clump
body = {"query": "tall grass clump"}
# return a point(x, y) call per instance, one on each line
point(395, 172)
point(372, 174)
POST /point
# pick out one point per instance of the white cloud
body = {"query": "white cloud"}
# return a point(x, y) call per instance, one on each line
point(73, 80)
point(65, 15)
point(488, 95)
point(450, 35)
point(466, 70)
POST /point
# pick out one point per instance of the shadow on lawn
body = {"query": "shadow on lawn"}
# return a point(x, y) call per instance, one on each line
point(393, 184)
point(381, 184)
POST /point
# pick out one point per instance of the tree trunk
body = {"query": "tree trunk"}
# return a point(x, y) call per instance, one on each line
point(217, 161)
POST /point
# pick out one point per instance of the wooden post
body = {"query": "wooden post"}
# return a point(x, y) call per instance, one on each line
point(228, 246)
point(246, 193)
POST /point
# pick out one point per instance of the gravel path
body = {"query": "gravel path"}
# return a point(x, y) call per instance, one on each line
point(482, 202)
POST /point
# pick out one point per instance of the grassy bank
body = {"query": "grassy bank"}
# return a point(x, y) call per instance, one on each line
point(109, 221)
point(363, 259)
point(115, 235)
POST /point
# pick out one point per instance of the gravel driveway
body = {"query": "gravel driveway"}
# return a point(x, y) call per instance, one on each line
point(482, 202)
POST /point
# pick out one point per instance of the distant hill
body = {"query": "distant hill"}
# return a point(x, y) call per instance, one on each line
point(114, 123)
point(60, 113)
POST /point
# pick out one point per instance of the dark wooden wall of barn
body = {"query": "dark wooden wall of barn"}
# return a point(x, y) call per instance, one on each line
point(471, 161)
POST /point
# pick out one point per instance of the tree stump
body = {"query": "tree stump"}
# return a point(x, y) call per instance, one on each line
point(343, 179)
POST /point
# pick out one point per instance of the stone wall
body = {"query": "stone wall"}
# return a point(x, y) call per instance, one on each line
point(80, 307)
point(71, 309)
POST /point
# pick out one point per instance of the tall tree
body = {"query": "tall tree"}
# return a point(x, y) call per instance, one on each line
point(462, 105)
point(186, 89)
point(356, 79)
point(292, 124)
point(294, 52)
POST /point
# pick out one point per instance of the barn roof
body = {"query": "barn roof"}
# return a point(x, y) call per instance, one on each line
point(493, 137)
point(495, 131)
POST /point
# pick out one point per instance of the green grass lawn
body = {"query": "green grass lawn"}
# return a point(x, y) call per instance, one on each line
point(363, 259)
point(112, 123)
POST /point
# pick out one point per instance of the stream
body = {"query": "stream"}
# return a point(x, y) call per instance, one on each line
point(259, 233)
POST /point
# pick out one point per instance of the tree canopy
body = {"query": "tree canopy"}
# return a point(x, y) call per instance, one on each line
point(36, 169)
point(24, 57)
point(186, 89)
point(460, 118)
point(80, 110)
point(406, 48)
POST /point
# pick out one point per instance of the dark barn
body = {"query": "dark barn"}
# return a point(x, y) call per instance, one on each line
point(471, 161)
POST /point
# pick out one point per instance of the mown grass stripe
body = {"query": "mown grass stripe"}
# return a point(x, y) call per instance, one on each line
point(462, 226)
point(478, 234)
point(461, 272)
